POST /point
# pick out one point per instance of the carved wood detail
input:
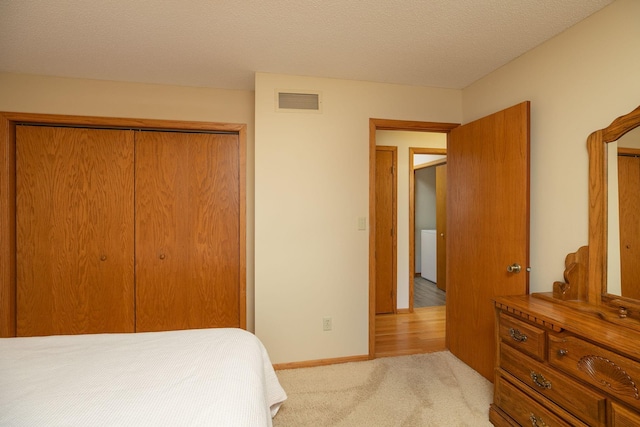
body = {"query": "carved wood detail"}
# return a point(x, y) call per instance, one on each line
point(596, 142)
point(529, 317)
point(593, 366)
point(610, 375)
point(575, 276)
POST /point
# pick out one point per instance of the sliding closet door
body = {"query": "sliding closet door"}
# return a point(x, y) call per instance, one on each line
point(187, 230)
point(74, 218)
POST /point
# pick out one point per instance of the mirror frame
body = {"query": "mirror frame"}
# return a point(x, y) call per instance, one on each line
point(596, 292)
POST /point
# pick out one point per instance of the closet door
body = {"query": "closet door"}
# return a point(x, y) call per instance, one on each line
point(74, 218)
point(187, 231)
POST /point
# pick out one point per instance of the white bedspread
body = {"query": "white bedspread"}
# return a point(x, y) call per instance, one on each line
point(211, 377)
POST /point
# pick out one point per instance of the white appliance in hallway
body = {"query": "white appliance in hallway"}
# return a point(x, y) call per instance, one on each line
point(428, 255)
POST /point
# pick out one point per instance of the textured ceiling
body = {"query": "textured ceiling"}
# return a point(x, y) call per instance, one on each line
point(222, 43)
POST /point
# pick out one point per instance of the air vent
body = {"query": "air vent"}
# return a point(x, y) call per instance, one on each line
point(298, 101)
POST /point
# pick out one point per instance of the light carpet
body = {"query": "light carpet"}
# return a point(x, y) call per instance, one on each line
point(434, 389)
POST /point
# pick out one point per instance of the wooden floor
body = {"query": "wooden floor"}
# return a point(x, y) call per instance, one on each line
point(426, 293)
point(422, 331)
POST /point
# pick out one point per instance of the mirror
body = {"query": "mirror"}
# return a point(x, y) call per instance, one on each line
point(613, 218)
point(623, 220)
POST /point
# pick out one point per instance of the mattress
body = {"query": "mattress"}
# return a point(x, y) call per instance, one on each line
point(213, 377)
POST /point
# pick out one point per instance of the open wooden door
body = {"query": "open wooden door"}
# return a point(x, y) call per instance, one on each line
point(488, 228)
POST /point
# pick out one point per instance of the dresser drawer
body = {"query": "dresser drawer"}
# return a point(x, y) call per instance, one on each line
point(622, 416)
point(561, 389)
point(523, 336)
point(611, 372)
point(526, 411)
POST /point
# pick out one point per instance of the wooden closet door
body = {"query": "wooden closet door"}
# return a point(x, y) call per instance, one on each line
point(187, 231)
point(74, 201)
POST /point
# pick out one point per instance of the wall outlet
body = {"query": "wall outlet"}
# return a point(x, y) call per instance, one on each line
point(326, 324)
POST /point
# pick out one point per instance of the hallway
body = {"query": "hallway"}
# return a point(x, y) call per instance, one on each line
point(422, 331)
point(426, 293)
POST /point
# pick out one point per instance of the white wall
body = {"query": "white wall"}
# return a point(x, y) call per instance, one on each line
point(419, 159)
point(312, 184)
point(52, 95)
point(311, 170)
point(405, 140)
point(577, 82)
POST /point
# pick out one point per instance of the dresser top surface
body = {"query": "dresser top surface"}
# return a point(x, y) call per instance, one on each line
point(575, 317)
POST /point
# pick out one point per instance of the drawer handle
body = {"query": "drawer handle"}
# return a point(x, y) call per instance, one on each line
point(563, 352)
point(537, 422)
point(540, 381)
point(517, 335)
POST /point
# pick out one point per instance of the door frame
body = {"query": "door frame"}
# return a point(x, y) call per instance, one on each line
point(8, 122)
point(375, 125)
point(412, 211)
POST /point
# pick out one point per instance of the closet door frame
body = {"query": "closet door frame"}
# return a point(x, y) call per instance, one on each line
point(8, 122)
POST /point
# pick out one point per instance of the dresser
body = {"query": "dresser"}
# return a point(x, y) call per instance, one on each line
point(561, 364)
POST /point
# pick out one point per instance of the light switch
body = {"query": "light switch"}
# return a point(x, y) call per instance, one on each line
point(362, 223)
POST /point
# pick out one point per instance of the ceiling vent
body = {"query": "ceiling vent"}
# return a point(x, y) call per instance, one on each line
point(298, 101)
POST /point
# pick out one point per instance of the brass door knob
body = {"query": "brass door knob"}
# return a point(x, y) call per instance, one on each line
point(514, 268)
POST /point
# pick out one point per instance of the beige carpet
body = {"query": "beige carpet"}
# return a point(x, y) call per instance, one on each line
point(435, 389)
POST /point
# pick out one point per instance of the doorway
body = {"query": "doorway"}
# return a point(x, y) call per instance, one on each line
point(488, 182)
point(392, 125)
point(427, 226)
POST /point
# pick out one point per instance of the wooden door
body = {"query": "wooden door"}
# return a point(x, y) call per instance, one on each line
point(187, 231)
point(386, 253)
point(488, 228)
point(629, 217)
point(74, 230)
point(441, 226)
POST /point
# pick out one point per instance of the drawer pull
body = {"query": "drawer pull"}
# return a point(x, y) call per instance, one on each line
point(563, 352)
point(540, 381)
point(537, 422)
point(517, 335)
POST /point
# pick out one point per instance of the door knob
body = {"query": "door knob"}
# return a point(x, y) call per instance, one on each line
point(514, 268)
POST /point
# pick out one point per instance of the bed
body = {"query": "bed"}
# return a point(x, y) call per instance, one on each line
point(215, 377)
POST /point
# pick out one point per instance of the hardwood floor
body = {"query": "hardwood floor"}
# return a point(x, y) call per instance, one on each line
point(426, 293)
point(422, 331)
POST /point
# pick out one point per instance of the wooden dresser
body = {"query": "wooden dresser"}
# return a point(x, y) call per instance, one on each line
point(562, 364)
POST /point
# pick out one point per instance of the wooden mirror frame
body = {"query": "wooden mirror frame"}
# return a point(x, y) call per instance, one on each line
point(586, 269)
point(597, 278)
